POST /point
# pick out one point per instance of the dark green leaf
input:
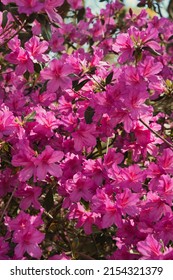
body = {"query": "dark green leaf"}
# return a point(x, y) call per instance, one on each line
point(37, 67)
point(89, 113)
point(48, 201)
point(80, 14)
point(4, 18)
point(26, 75)
point(46, 31)
point(80, 85)
point(109, 78)
point(45, 27)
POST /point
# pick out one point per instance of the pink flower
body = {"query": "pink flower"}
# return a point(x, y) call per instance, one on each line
point(165, 188)
point(49, 7)
point(150, 248)
point(25, 158)
point(84, 218)
point(28, 240)
point(154, 208)
point(29, 6)
point(4, 249)
point(21, 58)
point(112, 215)
point(46, 162)
point(165, 161)
point(128, 202)
point(150, 67)
point(29, 196)
point(84, 136)
point(57, 73)
point(79, 187)
point(46, 122)
point(124, 45)
point(132, 177)
point(36, 49)
point(8, 126)
point(164, 228)
point(22, 221)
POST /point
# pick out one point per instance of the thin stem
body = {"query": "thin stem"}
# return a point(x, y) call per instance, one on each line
point(17, 32)
point(156, 134)
point(7, 205)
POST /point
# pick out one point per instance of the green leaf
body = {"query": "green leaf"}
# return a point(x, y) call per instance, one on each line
point(89, 113)
point(80, 14)
point(80, 85)
point(37, 67)
point(45, 27)
point(48, 201)
point(109, 78)
point(4, 18)
point(46, 31)
point(30, 117)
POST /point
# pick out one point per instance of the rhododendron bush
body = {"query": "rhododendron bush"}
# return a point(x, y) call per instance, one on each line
point(85, 132)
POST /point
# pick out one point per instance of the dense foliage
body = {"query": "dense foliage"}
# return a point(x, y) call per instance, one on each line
point(85, 132)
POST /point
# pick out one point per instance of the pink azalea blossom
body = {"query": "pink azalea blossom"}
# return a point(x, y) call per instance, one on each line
point(36, 49)
point(21, 58)
point(84, 136)
point(29, 6)
point(112, 215)
point(49, 8)
point(27, 241)
point(57, 73)
point(128, 202)
point(165, 161)
point(25, 158)
point(8, 126)
point(150, 248)
point(29, 196)
point(4, 249)
point(47, 162)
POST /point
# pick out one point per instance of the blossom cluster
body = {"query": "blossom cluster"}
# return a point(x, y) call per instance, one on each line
point(84, 140)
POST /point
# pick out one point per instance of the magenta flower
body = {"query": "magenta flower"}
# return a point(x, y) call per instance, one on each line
point(123, 45)
point(36, 49)
point(26, 159)
point(49, 8)
point(112, 215)
point(4, 248)
point(29, 196)
point(29, 6)
point(128, 202)
point(47, 162)
point(150, 248)
point(165, 188)
point(46, 122)
point(28, 240)
point(79, 187)
point(165, 161)
point(57, 73)
point(84, 136)
point(21, 58)
point(8, 126)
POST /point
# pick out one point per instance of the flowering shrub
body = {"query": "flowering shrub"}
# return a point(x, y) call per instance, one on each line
point(85, 132)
